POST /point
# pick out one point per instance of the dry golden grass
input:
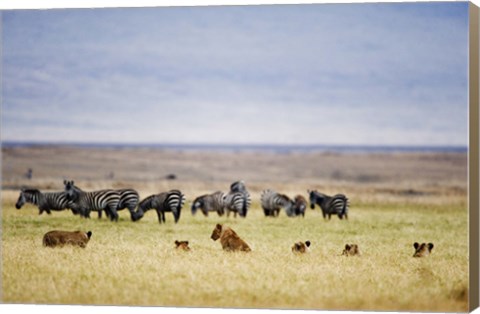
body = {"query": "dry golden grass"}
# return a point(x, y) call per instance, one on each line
point(128, 263)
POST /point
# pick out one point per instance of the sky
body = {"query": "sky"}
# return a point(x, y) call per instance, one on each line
point(332, 74)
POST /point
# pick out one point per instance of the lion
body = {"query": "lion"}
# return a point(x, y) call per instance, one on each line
point(60, 238)
point(351, 250)
point(229, 239)
point(301, 247)
point(422, 250)
point(182, 245)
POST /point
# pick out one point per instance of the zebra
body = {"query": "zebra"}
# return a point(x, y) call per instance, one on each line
point(300, 204)
point(85, 202)
point(209, 203)
point(330, 205)
point(272, 202)
point(128, 199)
point(237, 202)
point(171, 201)
point(44, 201)
point(239, 187)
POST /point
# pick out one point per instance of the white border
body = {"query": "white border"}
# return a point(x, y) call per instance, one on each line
point(57, 4)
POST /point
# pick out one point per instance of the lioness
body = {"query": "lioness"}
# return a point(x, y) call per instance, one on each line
point(61, 238)
point(229, 239)
point(351, 250)
point(422, 250)
point(182, 245)
point(301, 247)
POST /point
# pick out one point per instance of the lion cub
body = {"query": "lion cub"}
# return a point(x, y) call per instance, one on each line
point(182, 245)
point(301, 247)
point(422, 250)
point(351, 250)
point(229, 239)
point(61, 238)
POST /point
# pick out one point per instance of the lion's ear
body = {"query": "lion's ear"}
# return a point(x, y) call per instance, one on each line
point(430, 246)
point(219, 226)
point(307, 243)
point(89, 234)
point(415, 245)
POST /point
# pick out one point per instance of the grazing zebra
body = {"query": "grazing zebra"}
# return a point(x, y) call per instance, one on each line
point(85, 202)
point(300, 204)
point(237, 202)
point(330, 205)
point(171, 201)
point(272, 202)
point(238, 186)
point(209, 203)
point(128, 199)
point(44, 201)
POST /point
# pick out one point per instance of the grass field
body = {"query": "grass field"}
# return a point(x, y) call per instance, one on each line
point(129, 263)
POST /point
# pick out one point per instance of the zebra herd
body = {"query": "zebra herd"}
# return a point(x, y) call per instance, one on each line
point(236, 200)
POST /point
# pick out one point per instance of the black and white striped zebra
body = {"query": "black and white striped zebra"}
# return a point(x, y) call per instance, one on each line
point(45, 202)
point(171, 201)
point(237, 202)
point(330, 205)
point(272, 202)
point(128, 199)
point(209, 203)
point(238, 186)
point(85, 202)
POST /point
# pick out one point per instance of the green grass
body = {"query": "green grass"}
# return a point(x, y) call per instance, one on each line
point(129, 263)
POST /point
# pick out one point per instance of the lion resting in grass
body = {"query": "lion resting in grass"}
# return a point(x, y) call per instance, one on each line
point(422, 250)
point(301, 247)
point(229, 239)
point(61, 238)
point(182, 245)
point(351, 250)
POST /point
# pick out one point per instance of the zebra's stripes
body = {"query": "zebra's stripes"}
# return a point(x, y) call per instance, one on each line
point(272, 202)
point(238, 186)
point(85, 202)
point(128, 199)
point(330, 205)
point(209, 203)
point(238, 199)
point(44, 201)
point(237, 202)
point(171, 201)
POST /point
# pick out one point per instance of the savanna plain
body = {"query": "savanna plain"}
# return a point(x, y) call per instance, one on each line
point(396, 199)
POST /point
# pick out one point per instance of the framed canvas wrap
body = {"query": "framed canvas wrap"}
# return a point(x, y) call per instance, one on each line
point(319, 156)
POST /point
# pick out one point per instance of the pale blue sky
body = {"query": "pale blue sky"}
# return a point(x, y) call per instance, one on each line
point(362, 74)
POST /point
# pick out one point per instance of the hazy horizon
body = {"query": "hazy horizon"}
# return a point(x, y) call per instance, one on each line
point(259, 147)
